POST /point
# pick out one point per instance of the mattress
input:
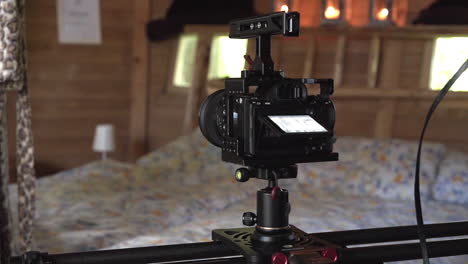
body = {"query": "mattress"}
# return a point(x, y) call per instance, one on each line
point(119, 210)
point(313, 211)
point(179, 193)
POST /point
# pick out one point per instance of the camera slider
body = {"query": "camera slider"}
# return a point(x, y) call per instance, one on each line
point(318, 248)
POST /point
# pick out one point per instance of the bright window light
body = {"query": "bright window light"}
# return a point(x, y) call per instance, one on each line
point(185, 60)
point(227, 57)
point(450, 53)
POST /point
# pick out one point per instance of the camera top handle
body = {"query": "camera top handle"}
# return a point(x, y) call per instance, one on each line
point(280, 23)
point(261, 28)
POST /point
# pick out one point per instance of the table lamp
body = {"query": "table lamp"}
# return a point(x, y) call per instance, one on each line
point(104, 139)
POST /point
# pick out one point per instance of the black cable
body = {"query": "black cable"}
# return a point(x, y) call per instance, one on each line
point(417, 194)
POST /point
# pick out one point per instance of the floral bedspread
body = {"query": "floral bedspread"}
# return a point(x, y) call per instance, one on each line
point(181, 192)
point(313, 211)
point(101, 204)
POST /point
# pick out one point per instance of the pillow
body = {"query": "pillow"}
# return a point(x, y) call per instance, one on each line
point(187, 160)
point(452, 182)
point(383, 168)
point(341, 176)
point(395, 162)
point(194, 145)
point(348, 175)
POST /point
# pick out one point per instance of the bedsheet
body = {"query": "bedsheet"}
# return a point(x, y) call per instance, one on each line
point(314, 210)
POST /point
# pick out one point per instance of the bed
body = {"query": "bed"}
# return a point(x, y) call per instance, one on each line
point(180, 192)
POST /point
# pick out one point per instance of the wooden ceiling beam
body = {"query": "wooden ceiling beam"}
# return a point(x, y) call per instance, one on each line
point(139, 92)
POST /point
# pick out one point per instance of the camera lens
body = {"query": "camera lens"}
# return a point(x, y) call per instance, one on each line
point(211, 113)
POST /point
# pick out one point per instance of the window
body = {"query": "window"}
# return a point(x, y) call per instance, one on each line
point(226, 58)
point(449, 54)
point(185, 60)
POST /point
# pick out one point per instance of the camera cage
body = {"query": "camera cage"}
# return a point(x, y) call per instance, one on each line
point(244, 144)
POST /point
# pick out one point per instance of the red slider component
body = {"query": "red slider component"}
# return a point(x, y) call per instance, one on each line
point(330, 253)
point(249, 61)
point(279, 258)
point(274, 191)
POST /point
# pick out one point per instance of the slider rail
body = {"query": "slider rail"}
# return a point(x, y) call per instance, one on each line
point(207, 252)
point(402, 252)
point(219, 253)
point(393, 234)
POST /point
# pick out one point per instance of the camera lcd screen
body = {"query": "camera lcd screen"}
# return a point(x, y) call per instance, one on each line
point(297, 124)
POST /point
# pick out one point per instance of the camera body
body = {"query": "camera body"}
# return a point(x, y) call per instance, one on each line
point(264, 120)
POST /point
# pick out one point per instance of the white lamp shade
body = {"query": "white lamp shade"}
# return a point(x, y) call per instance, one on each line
point(104, 138)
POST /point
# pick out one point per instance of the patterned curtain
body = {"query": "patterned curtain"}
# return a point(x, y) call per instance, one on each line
point(13, 78)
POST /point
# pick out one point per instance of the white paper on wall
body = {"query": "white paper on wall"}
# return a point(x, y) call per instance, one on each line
point(79, 21)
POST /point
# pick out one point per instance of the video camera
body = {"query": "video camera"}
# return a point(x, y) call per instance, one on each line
point(264, 119)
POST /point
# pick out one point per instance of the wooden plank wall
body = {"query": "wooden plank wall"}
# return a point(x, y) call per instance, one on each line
point(381, 79)
point(166, 106)
point(396, 106)
point(139, 88)
point(170, 106)
point(75, 87)
point(310, 14)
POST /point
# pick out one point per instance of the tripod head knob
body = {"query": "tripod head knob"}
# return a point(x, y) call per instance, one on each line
point(249, 219)
point(243, 174)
